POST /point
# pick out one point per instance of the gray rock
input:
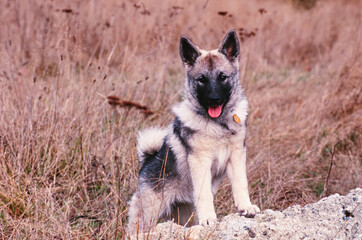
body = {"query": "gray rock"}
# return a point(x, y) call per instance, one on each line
point(334, 217)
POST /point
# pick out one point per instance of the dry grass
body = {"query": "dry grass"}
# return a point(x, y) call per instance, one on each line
point(68, 164)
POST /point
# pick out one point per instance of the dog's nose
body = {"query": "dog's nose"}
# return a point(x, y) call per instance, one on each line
point(214, 99)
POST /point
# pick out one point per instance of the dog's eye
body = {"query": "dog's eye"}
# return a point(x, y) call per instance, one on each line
point(202, 79)
point(222, 76)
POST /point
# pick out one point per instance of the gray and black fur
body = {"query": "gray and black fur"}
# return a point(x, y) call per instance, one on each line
point(182, 166)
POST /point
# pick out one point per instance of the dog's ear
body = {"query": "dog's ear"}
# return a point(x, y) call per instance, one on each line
point(230, 46)
point(189, 52)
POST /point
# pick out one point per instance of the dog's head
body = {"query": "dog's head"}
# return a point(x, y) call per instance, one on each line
point(212, 76)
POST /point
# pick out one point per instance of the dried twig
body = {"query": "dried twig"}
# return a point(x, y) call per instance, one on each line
point(324, 194)
point(116, 101)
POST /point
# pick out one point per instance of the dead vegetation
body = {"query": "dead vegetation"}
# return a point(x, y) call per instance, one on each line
point(68, 162)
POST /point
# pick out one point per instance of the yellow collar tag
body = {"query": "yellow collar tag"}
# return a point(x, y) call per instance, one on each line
point(237, 119)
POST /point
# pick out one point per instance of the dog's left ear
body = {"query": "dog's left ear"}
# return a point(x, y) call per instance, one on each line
point(230, 46)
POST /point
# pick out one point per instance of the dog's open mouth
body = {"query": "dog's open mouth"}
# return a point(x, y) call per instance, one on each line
point(215, 112)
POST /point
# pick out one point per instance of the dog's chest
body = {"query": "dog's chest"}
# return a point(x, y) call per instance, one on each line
point(220, 159)
point(217, 150)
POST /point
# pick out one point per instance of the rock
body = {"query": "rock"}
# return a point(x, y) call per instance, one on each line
point(334, 217)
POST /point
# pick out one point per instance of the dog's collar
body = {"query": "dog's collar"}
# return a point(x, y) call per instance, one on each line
point(235, 116)
point(236, 119)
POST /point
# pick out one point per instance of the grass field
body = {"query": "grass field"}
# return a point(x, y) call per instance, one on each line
point(68, 161)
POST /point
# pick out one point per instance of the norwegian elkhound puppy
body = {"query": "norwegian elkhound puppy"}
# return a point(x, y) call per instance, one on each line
point(181, 166)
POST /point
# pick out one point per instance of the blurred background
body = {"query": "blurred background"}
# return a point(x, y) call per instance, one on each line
point(68, 161)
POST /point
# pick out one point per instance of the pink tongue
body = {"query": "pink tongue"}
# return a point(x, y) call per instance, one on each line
point(215, 112)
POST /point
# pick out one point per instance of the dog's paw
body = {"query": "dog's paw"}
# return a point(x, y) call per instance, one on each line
point(208, 222)
point(249, 211)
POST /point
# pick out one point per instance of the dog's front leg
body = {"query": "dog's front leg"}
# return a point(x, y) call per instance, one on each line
point(200, 168)
point(236, 171)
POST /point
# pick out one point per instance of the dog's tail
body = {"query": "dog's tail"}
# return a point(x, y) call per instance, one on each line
point(149, 142)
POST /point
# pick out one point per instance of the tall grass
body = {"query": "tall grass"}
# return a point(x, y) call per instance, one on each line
point(68, 158)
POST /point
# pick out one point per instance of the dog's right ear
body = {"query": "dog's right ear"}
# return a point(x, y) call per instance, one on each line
point(189, 52)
